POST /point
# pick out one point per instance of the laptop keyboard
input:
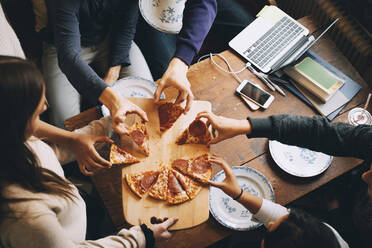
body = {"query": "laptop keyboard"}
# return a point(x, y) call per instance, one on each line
point(273, 41)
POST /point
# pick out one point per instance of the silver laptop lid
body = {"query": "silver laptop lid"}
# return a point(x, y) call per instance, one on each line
point(270, 37)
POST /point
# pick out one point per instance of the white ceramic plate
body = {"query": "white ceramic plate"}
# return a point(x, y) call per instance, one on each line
point(230, 213)
point(299, 161)
point(133, 87)
point(163, 15)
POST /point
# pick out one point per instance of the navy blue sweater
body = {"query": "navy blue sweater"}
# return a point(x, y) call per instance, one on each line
point(76, 23)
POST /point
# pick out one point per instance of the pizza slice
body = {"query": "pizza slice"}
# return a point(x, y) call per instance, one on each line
point(181, 165)
point(200, 168)
point(140, 136)
point(168, 114)
point(118, 156)
point(159, 189)
point(192, 187)
point(196, 133)
point(175, 193)
point(141, 182)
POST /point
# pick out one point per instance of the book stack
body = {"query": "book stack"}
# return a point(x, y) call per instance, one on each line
point(315, 78)
point(320, 84)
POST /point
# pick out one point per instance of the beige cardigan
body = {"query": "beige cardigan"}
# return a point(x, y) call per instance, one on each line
point(50, 221)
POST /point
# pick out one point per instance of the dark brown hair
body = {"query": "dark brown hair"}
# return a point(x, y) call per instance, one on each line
point(21, 89)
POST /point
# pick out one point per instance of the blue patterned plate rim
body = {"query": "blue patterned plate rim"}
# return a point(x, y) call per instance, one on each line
point(292, 172)
point(151, 23)
point(248, 170)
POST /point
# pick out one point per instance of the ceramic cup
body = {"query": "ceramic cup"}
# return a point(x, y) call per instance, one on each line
point(163, 15)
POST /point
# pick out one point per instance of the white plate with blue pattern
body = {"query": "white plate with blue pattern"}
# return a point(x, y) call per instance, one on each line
point(298, 161)
point(133, 87)
point(163, 15)
point(230, 213)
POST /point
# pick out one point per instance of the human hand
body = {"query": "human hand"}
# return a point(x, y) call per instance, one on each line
point(175, 76)
point(224, 128)
point(112, 75)
point(161, 230)
point(230, 184)
point(119, 108)
point(119, 115)
point(89, 161)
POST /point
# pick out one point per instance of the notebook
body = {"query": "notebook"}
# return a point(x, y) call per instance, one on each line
point(315, 78)
point(273, 40)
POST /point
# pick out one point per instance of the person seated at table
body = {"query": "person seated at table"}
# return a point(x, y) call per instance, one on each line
point(106, 29)
point(39, 207)
point(286, 227)
point(315, 133)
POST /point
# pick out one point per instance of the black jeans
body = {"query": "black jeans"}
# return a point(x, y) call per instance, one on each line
point(159, 48)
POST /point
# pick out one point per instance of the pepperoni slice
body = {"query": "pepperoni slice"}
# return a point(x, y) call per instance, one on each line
point(197, 128)
point(138, 137)
point(181, 165)
point(164, 110)
point(200, 166)
point(148, 180)
point(174, 185)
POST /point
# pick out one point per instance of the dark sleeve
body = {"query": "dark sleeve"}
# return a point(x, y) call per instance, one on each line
point(67, 40)
point(316, 133)
point(198, 17)
point(123, 31)
point(149, 236)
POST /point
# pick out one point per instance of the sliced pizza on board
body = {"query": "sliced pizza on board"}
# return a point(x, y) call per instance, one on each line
point(192, 187)
point(199, 168)
point(168, 114)
point(175, 193)
point(159, 189)
point(119, 157)
point(196, 133)
point(140, 136)
point(141, 182)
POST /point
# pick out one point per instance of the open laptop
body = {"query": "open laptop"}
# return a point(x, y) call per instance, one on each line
point(273, 40)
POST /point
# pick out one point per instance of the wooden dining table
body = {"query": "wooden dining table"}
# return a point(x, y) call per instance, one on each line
point(211, 84)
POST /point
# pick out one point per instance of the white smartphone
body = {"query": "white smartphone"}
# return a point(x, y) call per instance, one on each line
point(255, 94)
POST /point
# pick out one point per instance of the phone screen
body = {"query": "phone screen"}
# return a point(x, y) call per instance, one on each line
point(255, 93)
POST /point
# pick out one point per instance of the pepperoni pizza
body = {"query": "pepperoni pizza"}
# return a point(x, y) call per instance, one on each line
point(159, 189)
point(196, 133)
point(140, 136)
point(199, 168)
point(175, 193)
point(119, 157)
point(168, 114)
point(141, 182)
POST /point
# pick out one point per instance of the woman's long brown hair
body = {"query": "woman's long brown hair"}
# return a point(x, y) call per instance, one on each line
point(21, 89)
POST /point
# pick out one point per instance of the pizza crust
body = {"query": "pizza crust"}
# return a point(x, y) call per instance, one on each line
point(119, 157)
